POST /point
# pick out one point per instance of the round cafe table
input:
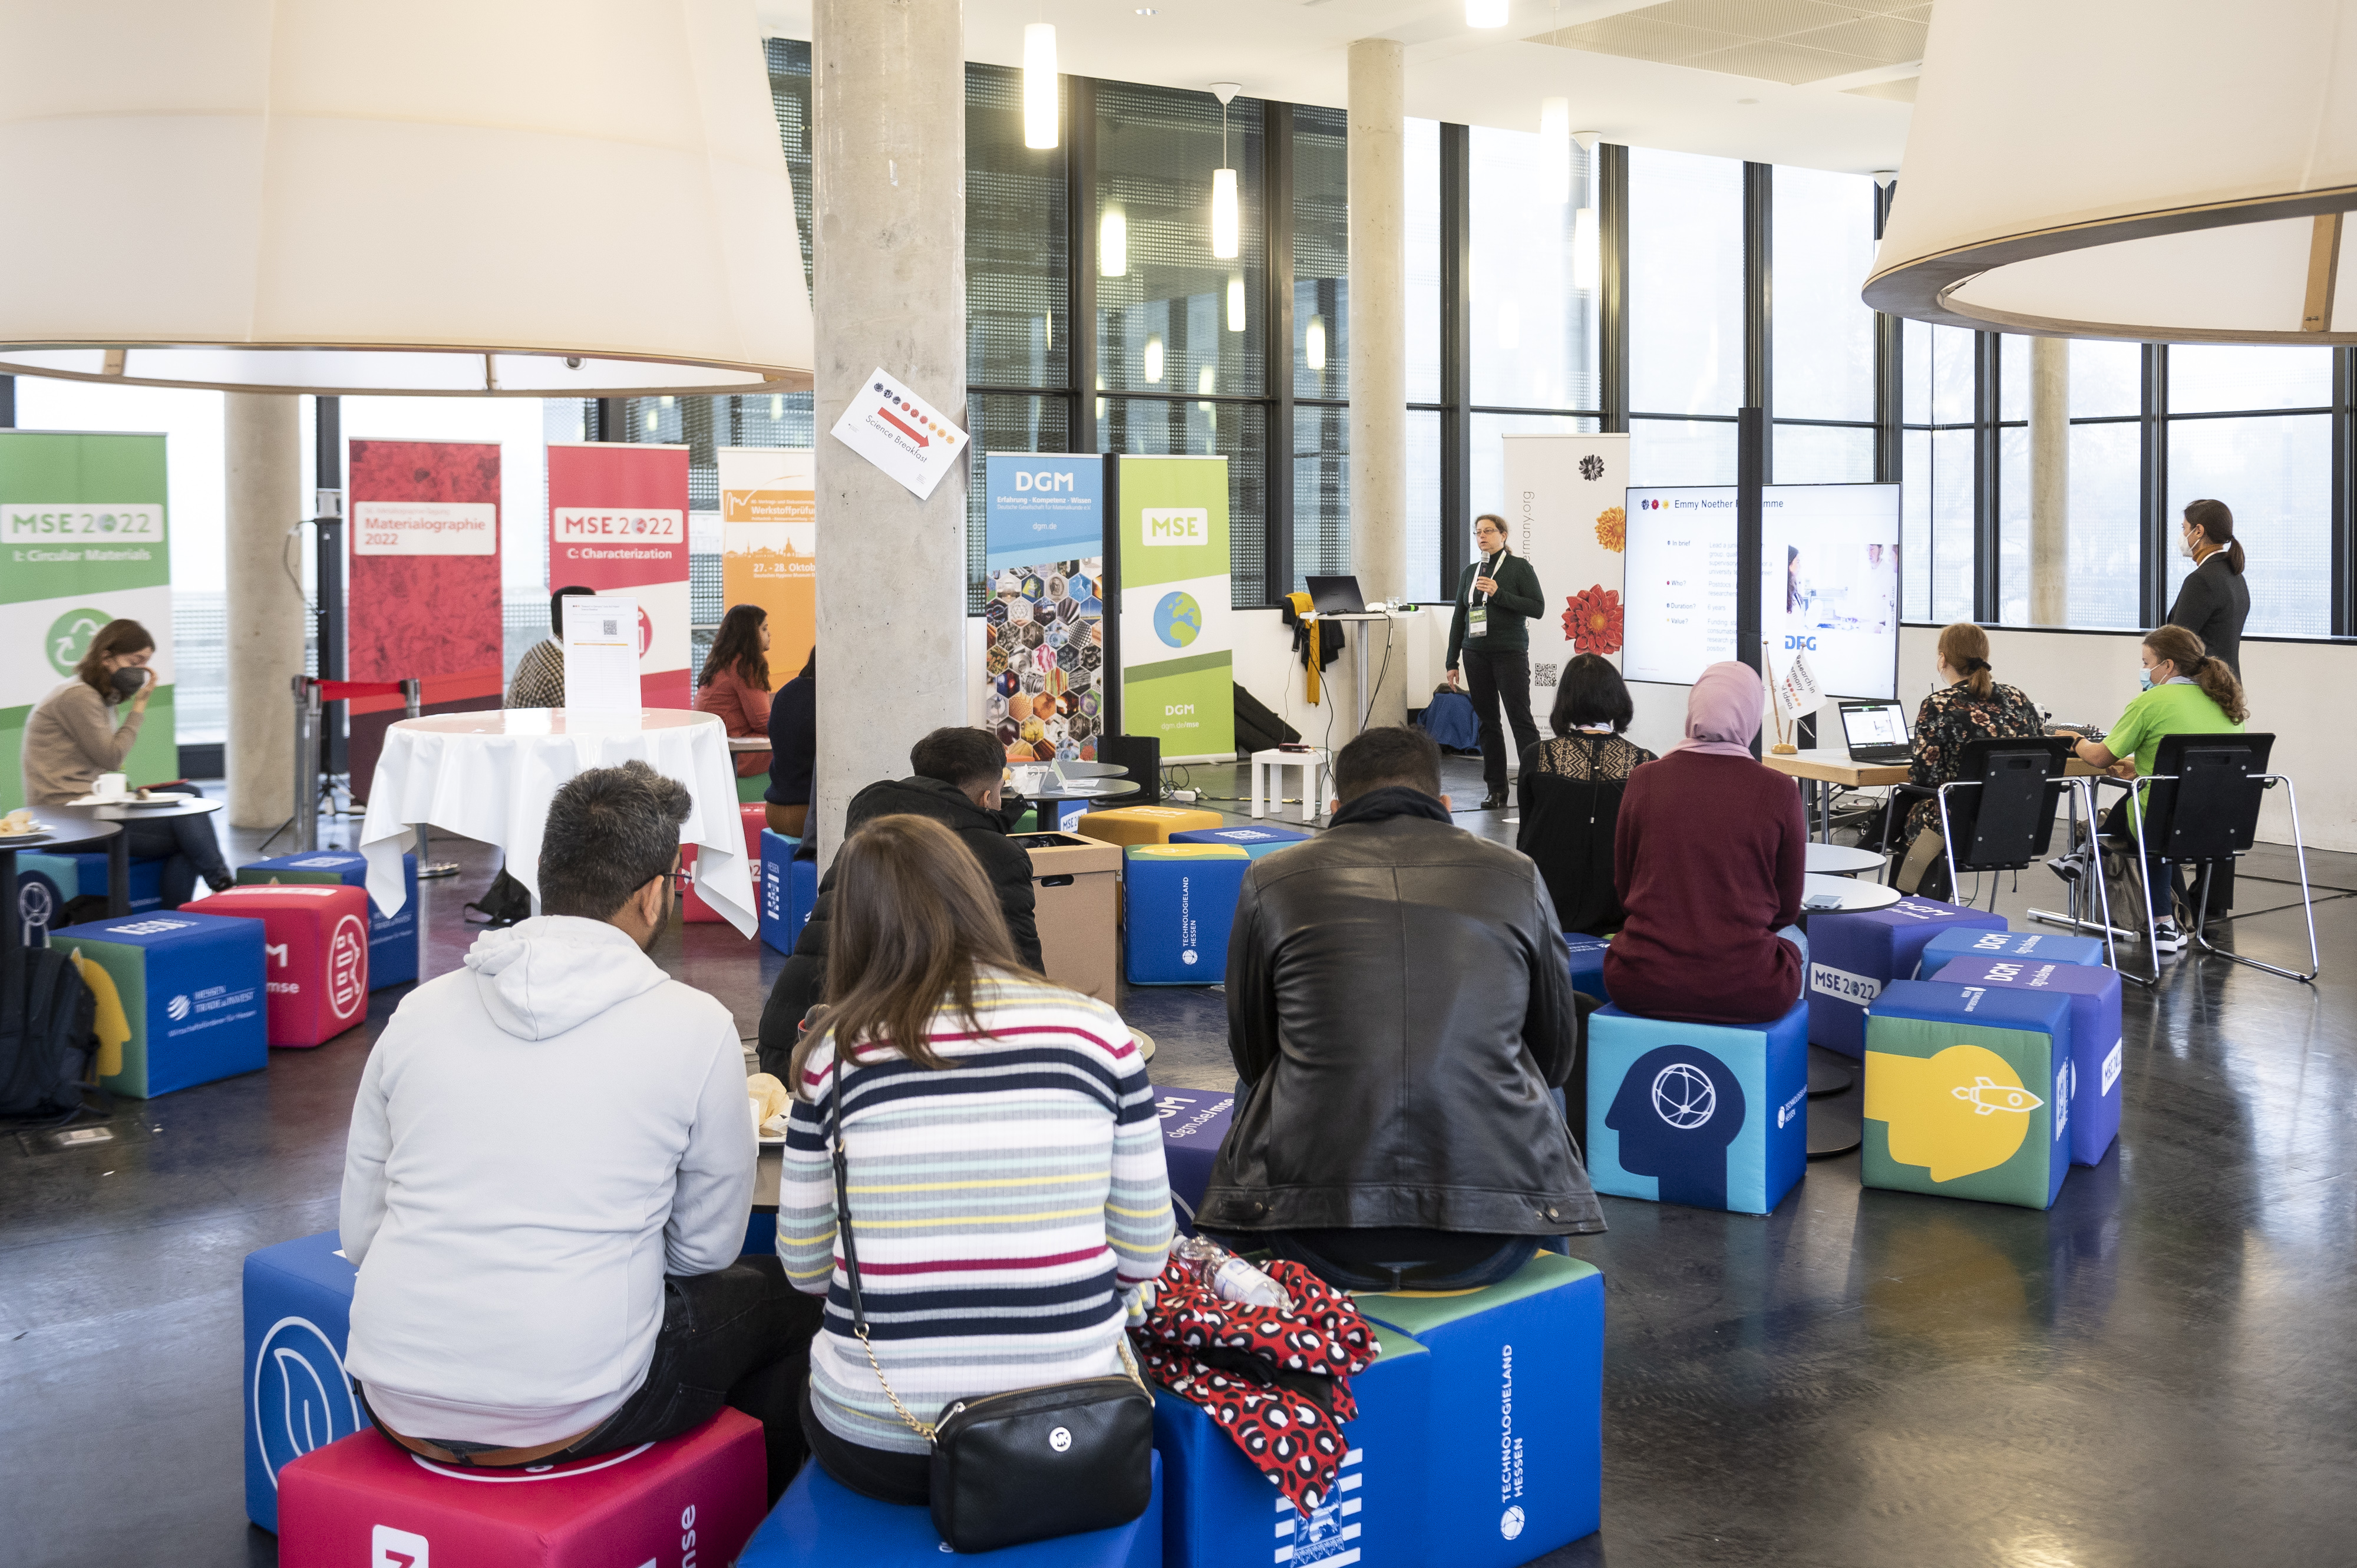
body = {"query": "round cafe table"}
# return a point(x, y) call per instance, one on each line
point(490, 774)
point(67, 830)
point(1841, 859)
point(1834, 1131)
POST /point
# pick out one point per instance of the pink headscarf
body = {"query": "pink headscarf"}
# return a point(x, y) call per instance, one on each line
point(1723, 710)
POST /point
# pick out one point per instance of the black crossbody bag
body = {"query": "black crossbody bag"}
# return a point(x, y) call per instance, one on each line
point(1028, 1464)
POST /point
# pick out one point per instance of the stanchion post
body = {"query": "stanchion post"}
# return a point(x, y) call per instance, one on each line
point(413, 696)
point(307, 764)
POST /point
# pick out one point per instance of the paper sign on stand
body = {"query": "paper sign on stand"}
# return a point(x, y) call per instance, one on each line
point(1797, 692)
point(900, 433)
point(603, 639)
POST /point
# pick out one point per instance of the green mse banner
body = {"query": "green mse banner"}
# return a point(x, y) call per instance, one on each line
point(1178, 664)
point(83, 541)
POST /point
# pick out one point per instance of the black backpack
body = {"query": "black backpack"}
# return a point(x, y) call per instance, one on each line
point(45, 1054)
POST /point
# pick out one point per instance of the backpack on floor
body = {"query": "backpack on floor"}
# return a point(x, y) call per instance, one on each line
point(45, 1054)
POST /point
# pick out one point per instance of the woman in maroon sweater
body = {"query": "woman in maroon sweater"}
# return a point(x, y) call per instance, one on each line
point(1708, 859)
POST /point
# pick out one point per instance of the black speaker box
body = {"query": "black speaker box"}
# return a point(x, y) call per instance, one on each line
point(1141, 756)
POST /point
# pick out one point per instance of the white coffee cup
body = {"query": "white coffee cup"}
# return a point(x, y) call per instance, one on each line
point(111, 786)
point(755, 1106)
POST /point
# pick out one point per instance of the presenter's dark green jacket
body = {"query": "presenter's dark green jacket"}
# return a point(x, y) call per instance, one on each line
point(1516, 601)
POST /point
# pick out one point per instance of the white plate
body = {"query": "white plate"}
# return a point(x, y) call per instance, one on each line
point(27, 836)
point(769, 1142)
point(169, 799)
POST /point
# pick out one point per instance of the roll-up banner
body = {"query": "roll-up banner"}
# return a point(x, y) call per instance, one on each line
point(424, 596)
point(83, 524)
point(618, 524)
point(768, 546)
point(1177, 665)
point(1044, 550)
point(1566, 515)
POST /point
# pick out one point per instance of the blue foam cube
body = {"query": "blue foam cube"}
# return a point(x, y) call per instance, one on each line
point(2092, 1106)
point(298, 1312)
point(1255, 840)
point(1708, 1115)
point(1194, 1124)
point(1854, 954)
point(44, 884)
point(1585, 955)
point(1217, 1511)
point(822, 1523)
point(1967, 1092)
point(1179, 902)
point(393, 940)
point(1515, 1447)
point(146, 879)
point(180, 997)
point(2043, 947)
point(789, 887)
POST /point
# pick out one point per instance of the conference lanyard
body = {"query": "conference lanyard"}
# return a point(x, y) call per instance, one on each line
point(1476, 603)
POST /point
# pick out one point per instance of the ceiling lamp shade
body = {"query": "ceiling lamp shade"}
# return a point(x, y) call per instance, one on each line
point(531, 198)
point(2147, 169)
point(1041, 109)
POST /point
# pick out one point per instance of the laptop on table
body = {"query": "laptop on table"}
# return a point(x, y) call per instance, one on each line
point(1336, 595)
point(1876, 733)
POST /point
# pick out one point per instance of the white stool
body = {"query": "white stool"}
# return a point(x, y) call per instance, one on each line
point(1268, 795)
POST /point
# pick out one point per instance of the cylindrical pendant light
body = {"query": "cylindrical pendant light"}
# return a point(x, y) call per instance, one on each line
point(1113, 244)
point(1587, 262)
point(1235, 305)
point(1485, 13)
point(1152, 360)
point(333, 205)
point(1225, 223)
point(1313, 344)
point(1039, 106)
point(1555, 151)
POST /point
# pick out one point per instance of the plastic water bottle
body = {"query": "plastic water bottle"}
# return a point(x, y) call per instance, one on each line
point(1228, 1276)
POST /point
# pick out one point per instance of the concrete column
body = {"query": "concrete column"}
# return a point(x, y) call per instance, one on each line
point(2050, 481)
point(1378, 174)
point(267, 614)
point(887, 288)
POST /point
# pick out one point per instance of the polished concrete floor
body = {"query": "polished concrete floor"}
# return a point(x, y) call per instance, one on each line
point(2155, 1372)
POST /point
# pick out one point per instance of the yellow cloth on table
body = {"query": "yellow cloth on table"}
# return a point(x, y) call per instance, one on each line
point(764, 1091)
point(1300, 603)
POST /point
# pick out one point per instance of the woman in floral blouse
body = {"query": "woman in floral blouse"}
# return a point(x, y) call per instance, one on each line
point(1968, 705)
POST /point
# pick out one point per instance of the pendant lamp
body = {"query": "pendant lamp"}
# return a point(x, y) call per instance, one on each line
point(1040, 109)
point(538, 197)
point(1226, 224)
point(2146, 169)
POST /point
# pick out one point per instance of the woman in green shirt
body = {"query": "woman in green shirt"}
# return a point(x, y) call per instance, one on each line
point(2187, 691)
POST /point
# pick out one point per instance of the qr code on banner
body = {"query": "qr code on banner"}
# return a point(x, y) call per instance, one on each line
point(1543, 674)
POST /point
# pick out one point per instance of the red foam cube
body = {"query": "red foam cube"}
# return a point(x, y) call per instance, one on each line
point(367, 1501)
point(315, 954)
point(755, 817)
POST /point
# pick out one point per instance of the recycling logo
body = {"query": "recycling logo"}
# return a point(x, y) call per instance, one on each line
point(69, 637)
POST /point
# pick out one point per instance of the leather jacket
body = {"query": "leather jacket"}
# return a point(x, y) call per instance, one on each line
point(1399, 1007)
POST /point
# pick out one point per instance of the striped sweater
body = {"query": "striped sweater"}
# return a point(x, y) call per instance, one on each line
point(1005, 1206)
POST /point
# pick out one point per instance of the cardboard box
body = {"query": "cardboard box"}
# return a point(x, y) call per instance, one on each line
point(1077, 882)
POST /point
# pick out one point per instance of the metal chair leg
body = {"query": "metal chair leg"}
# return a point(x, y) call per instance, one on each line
point(2307, 905)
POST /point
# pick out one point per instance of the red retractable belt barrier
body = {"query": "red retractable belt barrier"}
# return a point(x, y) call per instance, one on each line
point(344, 691)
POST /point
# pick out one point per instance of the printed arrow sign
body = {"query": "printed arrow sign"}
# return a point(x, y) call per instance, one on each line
point(900, 433)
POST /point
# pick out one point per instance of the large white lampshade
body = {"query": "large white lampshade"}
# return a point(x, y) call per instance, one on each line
point(528, 198)
point(2151, 170)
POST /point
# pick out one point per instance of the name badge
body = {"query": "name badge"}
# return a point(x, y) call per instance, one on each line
point(1476, 620)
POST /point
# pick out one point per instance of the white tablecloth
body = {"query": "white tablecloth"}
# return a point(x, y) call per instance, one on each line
point(490, 776)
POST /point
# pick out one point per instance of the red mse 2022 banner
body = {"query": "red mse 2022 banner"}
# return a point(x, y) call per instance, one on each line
point(618, 524)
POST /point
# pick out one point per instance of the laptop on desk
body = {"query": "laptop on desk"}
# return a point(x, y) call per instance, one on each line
point(1336, 595)
point(1876, 733)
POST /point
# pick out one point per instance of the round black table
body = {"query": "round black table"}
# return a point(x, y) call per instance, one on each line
point(72, 830)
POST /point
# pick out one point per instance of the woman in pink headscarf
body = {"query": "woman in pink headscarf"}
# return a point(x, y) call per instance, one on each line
point(1708, 860)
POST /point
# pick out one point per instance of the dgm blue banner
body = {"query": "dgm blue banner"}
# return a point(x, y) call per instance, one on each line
point(1044, 545)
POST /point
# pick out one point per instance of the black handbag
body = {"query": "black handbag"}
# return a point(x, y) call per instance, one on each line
point(1028, 1464)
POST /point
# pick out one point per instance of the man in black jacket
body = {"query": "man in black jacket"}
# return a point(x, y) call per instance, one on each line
point(956, 781)
point(1401, 1014)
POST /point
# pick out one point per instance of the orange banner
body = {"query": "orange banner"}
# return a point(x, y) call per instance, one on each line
point(768, 542)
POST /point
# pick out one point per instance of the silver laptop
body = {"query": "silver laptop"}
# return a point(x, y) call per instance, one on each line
point(1876, 732)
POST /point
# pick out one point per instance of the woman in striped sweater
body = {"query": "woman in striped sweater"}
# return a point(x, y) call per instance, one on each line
point(1005, 1166)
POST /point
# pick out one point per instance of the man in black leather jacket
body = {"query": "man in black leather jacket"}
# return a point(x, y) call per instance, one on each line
point(1400, 1011)
point(956, 781)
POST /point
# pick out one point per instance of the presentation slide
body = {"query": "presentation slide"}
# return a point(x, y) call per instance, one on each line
point(1829, 583)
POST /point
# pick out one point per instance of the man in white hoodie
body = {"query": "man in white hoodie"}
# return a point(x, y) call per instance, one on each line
point(550, 1167)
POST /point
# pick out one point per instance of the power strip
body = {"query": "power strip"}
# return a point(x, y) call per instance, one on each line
point(1189, 795)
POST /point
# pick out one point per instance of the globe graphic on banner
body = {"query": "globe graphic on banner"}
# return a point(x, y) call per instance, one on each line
point(1178, 620)
point(1682, 1096)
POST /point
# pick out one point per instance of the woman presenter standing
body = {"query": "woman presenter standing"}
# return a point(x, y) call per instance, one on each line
point(2212, 602)
point(1495, 600)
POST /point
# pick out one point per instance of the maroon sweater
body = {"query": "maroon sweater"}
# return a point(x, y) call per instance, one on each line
point(1708, 858)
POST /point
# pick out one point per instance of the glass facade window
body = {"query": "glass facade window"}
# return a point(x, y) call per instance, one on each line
point(1236, 431)
point(1321, 492)
point(1935, 541)
point(1424, 506)
point(2276, 473)
point(2228, 378)
point(1681, 451)
point(1321, 254)
point(1489, 431)
point(1822, 455)
point(2105, 552)
point(2106, 379)
point(1422, 157)
point(2012, 378)
point(1534, 339)
point(1685, 285)
point(1824, 334)
point(1018, 295)
point(2013, 524)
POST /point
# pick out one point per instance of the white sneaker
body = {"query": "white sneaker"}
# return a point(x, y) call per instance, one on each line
point(2167, 939)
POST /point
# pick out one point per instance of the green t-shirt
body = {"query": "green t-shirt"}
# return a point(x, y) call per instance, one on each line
point(2179, 707)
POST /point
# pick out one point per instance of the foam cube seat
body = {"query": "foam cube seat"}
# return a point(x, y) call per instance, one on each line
point(1218, 1510)
point(181, 998)
point(755, 819)
point(1254, 841)
point(2041, 947)
point(788, 889)
point(1852, 955)
point(365, 1501)
point(1708, 1115)
point(315, 951)
point(1194, 1124)
point(2094, 1104)
point(1141, 824)
point(1585, 954)
point(298, 1318)
point(146, 878)
point(1179, 901)
point(393, 940)
point(45, 882)
point(1515, 1446)
point(822, 1523)
point(1967, 1090)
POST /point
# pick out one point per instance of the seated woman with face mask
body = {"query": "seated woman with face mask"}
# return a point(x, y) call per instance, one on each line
point(73, 736)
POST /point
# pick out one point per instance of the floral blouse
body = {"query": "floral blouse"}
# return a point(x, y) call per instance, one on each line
point(1950, 719)
point(1578, 756)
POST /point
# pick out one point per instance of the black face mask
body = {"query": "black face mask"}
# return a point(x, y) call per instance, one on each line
point(129, 679)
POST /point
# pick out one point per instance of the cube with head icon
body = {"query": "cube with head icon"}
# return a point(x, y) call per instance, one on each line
point(1709, 1115)
point(181, 998)
point(1969, 1093)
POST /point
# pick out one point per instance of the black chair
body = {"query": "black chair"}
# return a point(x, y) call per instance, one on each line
point(1997, 814)
point(2200, 810)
